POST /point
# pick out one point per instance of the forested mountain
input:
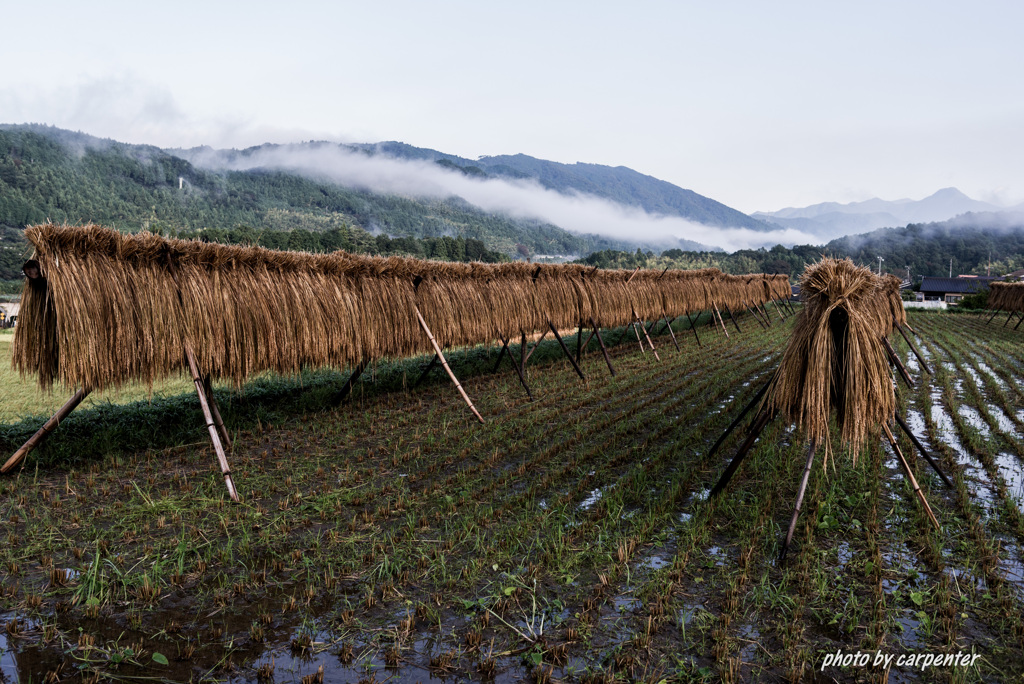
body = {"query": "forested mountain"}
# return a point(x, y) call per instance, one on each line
point(618, 183)
point(971, 241)
point(48, 174)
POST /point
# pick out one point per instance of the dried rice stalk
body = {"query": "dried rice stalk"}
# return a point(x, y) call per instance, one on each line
point(1006, 296)
point(117, 308)
point(835, 358)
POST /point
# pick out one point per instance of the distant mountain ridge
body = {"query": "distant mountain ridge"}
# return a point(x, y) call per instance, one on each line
point(830, 220)
point(617, 183)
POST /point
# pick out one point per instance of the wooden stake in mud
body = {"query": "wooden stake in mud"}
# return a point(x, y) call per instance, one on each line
point(912, 347)
point(210, 425)
point(694, 329)
point(924, 452)
point(799, 500)
point(519, 371)
point(910, 476)
point(566, 350)
point(755, 431)
point(48, 427)
point(896, 362)
point(440, 354)
point(597, 331)
point(215, 410)
point(350, 383)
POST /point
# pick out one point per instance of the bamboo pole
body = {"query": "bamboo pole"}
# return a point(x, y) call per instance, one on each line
point(799, 500)
point(218, 448)
point(637, 333)
point(48, 427)
point(755, 431)
point(924, 452)
point(607, 360)
point(566, 350)
point(648, 338)
point(519, 371)
point(437, 350)
point(672, 332)
point(910, 476)
point(215, 410)
point(719, 314)
point(912, 347)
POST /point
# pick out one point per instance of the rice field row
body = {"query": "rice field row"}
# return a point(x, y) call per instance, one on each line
point(569, 539)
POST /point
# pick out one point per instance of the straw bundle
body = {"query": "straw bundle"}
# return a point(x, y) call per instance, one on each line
point(1006, 296)
point(116, 308)
point(836, 358)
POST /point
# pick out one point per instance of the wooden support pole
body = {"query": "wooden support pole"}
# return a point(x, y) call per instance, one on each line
point(994, 313)
point(1008, 318)
point(426, 371)
point(215, 410)
point(607, 360)
point(501, 354)
point(350, 384)
point(799, 500)
point(764, 313)
point(694, 329)
point(672, 332)
point(719, 314)
point(579, 341)
point(729, 311)
point(896, 362)
point(746, 409)
point(912, 347)
point(637, 333)
point(924, 452)
point(910, 476)
point(566, 350)
point(642, 327)
point(1019, 322)
point(48, 427)
point(586, 344)
point(540, 339)
point(755, 431)
point(756, 317)
point(522, 352)
point(440, 354)
point(519, 371)
point(779, 309)
point(210, 425)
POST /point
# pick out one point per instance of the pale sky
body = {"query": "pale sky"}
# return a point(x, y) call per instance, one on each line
point(759, 105)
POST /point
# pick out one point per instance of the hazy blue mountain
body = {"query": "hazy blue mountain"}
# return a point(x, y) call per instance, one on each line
point(830, 220)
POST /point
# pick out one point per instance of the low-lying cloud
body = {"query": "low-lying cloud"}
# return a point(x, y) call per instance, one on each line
point(527, 199)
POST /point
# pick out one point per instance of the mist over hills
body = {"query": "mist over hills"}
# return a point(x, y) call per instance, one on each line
point(829, 220)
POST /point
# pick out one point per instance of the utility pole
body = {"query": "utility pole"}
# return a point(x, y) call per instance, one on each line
point(951, 267)
point(880, 260)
